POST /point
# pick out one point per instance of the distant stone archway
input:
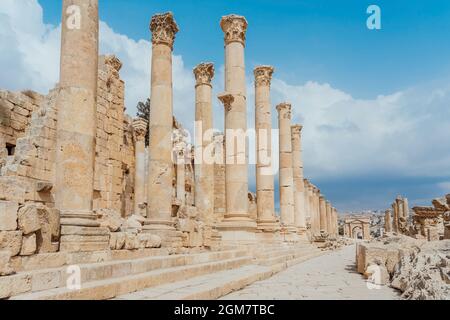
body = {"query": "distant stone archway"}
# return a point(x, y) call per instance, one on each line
point(357, 228)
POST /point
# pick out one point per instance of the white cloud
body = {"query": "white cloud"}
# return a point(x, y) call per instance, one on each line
point(398, 134)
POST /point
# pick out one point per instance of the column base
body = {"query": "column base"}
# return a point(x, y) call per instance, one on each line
point(237, 228)
point(269, 226)
point(170, 237)
point(81, 232)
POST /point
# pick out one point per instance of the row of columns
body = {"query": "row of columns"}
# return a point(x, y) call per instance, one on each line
point(76, 143)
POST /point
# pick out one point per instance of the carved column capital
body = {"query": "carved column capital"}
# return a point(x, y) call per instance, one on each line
point(235, 28)
point(204, 73)
point(263, 75)
point(140, 128)
point(227, 99)
point(163, 28)
point(284, 110)
point(296, 129)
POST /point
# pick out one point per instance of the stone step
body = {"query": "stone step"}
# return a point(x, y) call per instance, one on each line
point(52, 278)
point(216, 285)
point(286, 256)
point(112, 287)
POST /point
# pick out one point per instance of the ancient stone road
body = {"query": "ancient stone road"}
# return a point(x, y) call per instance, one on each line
point(331, 276)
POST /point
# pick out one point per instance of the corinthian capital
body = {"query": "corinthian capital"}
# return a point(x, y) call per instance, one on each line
point(263, 75)
point(284, 110)
point(204, 73)
point(164, 29)
point(140, 128)
point(234, 27)
point(296, 129)
point(227, 99)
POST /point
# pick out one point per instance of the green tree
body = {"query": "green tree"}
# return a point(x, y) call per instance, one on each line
point(143, 111)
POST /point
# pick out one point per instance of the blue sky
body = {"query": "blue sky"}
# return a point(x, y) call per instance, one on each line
point(374, 104)
point(322, 40)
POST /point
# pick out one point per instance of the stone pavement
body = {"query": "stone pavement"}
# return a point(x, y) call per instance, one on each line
point(331, 276)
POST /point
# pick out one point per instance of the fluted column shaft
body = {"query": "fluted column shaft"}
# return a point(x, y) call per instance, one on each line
point(323, 214)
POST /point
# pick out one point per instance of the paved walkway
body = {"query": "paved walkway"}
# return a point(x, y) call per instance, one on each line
point(331, 276)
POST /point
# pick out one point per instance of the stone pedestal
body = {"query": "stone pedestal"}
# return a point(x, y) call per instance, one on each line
point(286, 174)
point(140, 130)
point(299, 187)
point(160, 164)
point(76, 130)
point(264, 171)
point(237, 224)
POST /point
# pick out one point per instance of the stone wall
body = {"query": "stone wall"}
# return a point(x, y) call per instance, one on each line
point(114, 161)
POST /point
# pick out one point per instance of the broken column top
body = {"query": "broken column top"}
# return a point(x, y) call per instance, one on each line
point(163, 28)
point(227, 99)
point(204, 73)
point(234, 27)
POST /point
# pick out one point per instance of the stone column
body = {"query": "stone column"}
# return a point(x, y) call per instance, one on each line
point(286, 181)
point(237, 224)
point(395, 217)
point(387, 221)
point(76, 129)
point(405, 209)
point(399, 202)
point(329, 218)
point(317, 210)
point(335, 223)
point(323, 214)
point(306, 202)
point(181, 176)
point(204, 151)
point(140, 130)
point(160, 164)
point(264, 171)
point(299, 187)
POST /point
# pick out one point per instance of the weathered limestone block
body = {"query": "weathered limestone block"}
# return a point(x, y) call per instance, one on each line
point(110, 219)
point(11, 241)
point(149, 240)
point(8, 215)
point(133, 224)
point(117, 240)
point(28, 218)
point(29, 245)
point(132, 241)
point(5, 264)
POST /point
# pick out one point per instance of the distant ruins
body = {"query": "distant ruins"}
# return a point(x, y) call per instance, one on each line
point(78, 185)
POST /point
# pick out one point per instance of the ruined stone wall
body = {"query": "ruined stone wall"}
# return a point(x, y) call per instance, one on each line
point(114, 162)
point(15, 114)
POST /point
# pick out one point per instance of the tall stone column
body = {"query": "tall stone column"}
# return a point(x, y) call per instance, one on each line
point(306, 201)
point(286, 183)
point(387, 221)
point(395, 217)
point(237, 224)
point(76, 128)
point(315, 223)
point(299, 187)
point(323, 214)
point(204, 164)
point(160, 163)
point(405, 209)
point(329, 218)
point(181, 175)
point(264, 171)
point(399, 202)
point(140, 130)
point(335, 223)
